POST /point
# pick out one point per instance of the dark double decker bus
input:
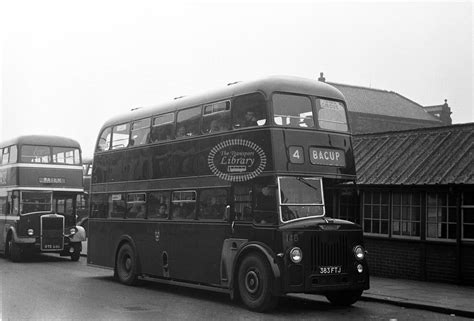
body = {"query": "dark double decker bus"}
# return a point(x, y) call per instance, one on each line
point(40, 183)
point(231, 190)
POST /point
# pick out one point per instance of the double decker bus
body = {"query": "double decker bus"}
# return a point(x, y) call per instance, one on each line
point(40, 182)
point(231, 190)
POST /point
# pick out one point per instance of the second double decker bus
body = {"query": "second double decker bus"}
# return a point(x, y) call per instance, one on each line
point(40, 182)
point(231, 190)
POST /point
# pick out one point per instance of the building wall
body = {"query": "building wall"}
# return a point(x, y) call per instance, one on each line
point(423, 249)
point(420, 260)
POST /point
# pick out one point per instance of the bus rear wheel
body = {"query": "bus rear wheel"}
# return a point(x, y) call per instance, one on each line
point(255, 281)
point(345, 298)
point(126, 265)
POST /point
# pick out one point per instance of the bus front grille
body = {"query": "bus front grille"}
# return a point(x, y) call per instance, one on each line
point(329, 253)
point(52, 228)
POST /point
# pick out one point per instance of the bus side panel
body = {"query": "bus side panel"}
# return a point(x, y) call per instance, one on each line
point(100, 246)
point(194, 250)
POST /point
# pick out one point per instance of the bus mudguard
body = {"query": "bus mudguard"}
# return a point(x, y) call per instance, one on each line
point(79, 236)
point(23, 240)
point(127, 239)
point(260, 248)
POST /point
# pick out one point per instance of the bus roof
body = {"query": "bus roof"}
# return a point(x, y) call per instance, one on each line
point(264, 85)
point(46, 140)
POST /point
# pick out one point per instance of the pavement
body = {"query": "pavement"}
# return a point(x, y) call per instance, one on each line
point(444, 298)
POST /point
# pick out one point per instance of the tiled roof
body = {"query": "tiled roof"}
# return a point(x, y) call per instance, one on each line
point(427, 156)
point(381, 102)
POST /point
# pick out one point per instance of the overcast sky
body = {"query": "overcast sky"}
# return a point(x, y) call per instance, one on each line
point(66, 66)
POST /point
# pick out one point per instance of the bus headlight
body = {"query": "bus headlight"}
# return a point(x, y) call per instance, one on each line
point(30, 232)
point(359, 252)
point(72, 231)
point(296, 255)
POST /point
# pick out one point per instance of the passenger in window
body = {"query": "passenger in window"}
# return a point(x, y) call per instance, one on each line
point(216, 126)
point(162, 211)
point(250, 119)
point(181, 131)
point(213, 209)
point(141, 211)
point(181, 211)
point(265, 207)
point(266, 200)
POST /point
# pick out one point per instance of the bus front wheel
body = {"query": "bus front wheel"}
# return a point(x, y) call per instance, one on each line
point(255, 282)
point(76, 253)
point(345, 298)
point(13, 250)
point(126, 265)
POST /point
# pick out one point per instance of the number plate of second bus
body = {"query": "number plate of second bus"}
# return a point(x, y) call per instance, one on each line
point(330, 269)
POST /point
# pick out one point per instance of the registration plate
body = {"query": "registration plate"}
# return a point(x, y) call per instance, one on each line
point(337, 269)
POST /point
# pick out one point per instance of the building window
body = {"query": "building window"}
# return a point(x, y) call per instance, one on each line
point(406, 214)
point(441, 216)
point(467, 209)
point(375, 209)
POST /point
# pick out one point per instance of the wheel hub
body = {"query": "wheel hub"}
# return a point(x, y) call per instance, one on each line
point(252, 282)
point(128, 264)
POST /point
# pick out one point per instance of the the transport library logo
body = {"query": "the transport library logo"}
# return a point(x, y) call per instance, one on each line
point(237, 160)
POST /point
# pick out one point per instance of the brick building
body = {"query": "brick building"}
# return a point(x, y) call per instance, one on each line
point(415, 178)
point(416, 202)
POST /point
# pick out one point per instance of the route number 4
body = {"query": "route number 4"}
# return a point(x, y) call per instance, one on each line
point(296, 154)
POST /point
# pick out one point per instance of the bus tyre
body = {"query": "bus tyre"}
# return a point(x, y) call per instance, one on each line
point(76, 254)
point(345, 298)
point(255, 281)
point(126, 265)
point(14, 251)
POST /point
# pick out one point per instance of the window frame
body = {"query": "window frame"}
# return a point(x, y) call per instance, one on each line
point(188, 133)
point(439, 223)
point(409, 207)
point(301, 120)
point(174, 202)
point(363, 205)
point(144, 139)
point(200, 202)
point(464, 207)
point(172, 122)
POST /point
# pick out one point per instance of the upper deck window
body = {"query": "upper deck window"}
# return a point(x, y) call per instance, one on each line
point(140, 132)
point(332, 115)
point(188, 122)
point(65, 155)
point(35, 154)
point(249, 110)
point(104, 140)
point(292, 110)
point(8, 155)
point(163, 128)
point(216, 117)
point(120, 136)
